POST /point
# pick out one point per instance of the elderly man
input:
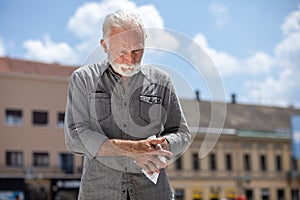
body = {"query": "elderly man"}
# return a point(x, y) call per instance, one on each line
point(113, 108)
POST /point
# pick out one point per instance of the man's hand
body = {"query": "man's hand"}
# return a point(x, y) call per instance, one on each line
point(149, 159)
point(144, 152)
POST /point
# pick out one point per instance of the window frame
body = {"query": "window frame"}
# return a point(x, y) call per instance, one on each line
point(263, 162)
point(12, 121)
point(36, 161)
point(213, 166)
point(195, 162)
point(247, 162)
point(11, 163)
point(278, 163)
point(228, 162)
point(59, 123)
point(34, 123)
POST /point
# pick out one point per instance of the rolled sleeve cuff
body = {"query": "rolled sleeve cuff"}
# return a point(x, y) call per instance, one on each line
point(94, 144)
point(175, 146)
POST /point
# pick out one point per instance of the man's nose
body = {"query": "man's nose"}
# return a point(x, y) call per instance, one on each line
point(129, 57)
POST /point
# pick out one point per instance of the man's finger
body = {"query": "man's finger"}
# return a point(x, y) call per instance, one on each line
point(152, 166)
point(157, 141)
point(158, 162)
point(162, 152)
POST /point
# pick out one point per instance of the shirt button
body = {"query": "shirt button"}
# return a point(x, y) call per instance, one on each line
point(125, 103)
point(124, 125)
point(124, 191)
point(125, 169)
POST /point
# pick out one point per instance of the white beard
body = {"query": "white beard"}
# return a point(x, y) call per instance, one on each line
point(126, 70)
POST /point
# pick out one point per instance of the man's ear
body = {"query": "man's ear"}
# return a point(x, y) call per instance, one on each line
point(102, 42)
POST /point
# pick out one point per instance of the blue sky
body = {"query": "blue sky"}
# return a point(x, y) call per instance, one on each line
point(255, 45)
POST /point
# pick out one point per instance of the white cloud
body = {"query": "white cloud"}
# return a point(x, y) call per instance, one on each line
point(49, 51)
point(276, 91)
point(281, 70)
point(2, 48)
point(259, 62)
point(225, 63)
point(288, 51)
point(157, 37)
point(87, 20)
point(86, 24)
point(151, 17)
point(283, 87)
point(291, 22)
point(220, 13)
point(229, 65)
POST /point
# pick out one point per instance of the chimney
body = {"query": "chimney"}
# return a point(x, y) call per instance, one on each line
point(233, 98)
point(197, 95)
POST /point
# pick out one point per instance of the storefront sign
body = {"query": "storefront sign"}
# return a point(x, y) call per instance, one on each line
point(67, 184)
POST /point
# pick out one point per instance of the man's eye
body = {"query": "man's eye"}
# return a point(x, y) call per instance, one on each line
point(122, 52)
point(137, 51)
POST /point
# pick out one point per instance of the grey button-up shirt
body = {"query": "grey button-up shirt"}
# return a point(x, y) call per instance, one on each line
point(101, 106)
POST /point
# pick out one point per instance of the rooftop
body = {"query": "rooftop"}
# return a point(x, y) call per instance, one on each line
point(240, 116)
point(17, 66)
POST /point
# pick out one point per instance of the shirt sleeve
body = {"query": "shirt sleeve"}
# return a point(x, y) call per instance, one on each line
point(79, 137)
point(176, 130)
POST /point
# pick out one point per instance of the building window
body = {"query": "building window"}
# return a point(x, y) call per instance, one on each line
point(179, 194)
point(278, 163)
point(14, 117)
point(249, 194)
point(228, 162)
point(213, 162)
point(41, 159)
point(66, 162)
point(280, 194)
point(294, 164)
point(196, 160)
point(40, 118)
point(265, 194)
point(14, 159)
point(178, 164)
point(247, 162)
point(263, 163)
point(60, 119)
point(295, 194)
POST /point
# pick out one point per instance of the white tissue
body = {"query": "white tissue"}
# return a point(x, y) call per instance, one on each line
point(155, 175)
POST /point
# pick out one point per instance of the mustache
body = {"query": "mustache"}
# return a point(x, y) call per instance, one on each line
point(125, 69)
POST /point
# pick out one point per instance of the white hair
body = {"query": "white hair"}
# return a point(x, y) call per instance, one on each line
point(122, 19)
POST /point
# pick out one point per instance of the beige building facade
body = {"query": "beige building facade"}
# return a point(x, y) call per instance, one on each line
point(33, 156)
point(251, 157)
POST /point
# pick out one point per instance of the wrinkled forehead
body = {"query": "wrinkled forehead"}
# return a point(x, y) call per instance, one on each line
point(131, 39)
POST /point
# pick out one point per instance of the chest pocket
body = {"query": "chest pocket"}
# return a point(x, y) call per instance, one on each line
point(100, 106)
point(150, 108)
